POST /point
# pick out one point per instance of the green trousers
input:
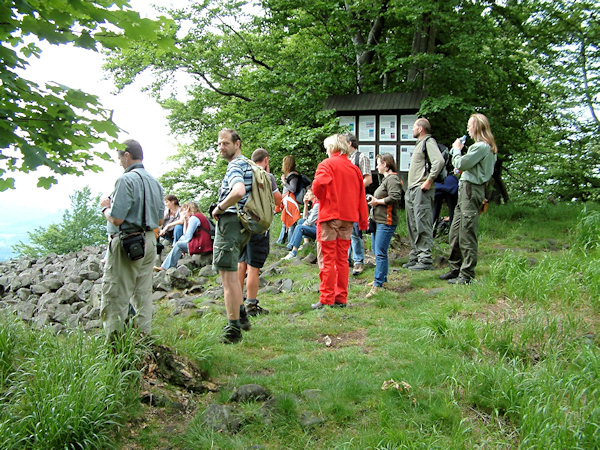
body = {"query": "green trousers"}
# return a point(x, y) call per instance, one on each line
point(127, 281)
point(463, 231)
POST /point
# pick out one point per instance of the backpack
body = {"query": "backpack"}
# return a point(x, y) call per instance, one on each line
point(257, 214)
point(303, 184)
point(445, 154)
point(211, 228)
point(199, 244)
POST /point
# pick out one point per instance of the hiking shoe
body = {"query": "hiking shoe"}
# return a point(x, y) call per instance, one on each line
point(409, 264)
point(317, 305)
point(245, 322)
point(421, 266)
point(450, 275)
point(253, 309)
point(460, 280)
point(358, 269)
point(231, 335)
point(289, 256)
point(374, 290)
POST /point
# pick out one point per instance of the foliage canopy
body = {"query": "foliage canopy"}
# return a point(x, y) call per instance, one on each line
point(53, 125)
point(267, 70)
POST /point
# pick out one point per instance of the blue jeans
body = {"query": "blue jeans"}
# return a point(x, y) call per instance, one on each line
point(300, 231)
point(381, 243)
point(284, 230)
point(178, 249)
point(177, 232)
point(357, 248)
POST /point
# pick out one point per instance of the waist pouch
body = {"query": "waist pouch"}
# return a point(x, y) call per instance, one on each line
point(134, 245)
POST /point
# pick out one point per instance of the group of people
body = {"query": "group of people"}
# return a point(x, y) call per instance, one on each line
point(337, 218)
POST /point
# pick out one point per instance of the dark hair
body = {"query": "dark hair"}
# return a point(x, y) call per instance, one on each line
point(423, 122)
point(134, 149)
point(352, 140)
point(172, 198)
point(234, 134)
point(259, 155)
point(388, 159)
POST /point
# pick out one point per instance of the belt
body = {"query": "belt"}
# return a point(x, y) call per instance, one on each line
point(114, 235)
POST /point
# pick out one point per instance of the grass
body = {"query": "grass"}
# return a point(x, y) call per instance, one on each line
point(509, 361)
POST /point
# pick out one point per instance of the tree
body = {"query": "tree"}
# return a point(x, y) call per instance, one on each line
point(562, 163)
point(81, 226)
point(269, 72)
point(53, 125)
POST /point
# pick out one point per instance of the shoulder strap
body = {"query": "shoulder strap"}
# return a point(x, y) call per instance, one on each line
point(144, 199)
point(357, 159)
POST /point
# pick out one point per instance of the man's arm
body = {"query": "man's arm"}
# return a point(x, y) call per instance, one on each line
point(238, 191)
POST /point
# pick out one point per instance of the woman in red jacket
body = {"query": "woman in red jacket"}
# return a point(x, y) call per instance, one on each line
point(339, 187)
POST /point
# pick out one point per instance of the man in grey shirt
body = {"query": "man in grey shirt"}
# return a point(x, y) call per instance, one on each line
point(135, 206)
point(419, 197)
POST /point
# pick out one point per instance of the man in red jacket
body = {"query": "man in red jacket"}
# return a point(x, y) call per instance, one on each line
point(339, 187)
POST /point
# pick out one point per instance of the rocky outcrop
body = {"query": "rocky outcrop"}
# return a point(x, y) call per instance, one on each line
point(64, 291)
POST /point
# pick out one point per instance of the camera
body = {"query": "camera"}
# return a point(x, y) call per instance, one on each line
point(369, 197)
point(463, 139)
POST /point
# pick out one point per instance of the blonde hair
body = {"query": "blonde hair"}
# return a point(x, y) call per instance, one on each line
point(337, 142)
point(192, 207)
point(288, 165)
point(481, 129)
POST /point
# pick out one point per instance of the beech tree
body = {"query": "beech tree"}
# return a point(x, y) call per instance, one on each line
point(53, 125)
point(268, 71)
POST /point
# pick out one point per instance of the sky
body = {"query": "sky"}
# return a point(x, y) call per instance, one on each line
point(141, 118)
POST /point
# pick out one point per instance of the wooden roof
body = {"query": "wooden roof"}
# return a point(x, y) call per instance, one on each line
point(375, 102)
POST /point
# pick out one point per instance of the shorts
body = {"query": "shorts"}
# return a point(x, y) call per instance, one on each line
point(230, 239)
point(255, 253)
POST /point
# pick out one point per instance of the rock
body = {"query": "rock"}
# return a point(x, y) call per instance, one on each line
point(285, 285)
point(312, 394)
point(158, 295)
point(178, 279)
point(207, 271)
point(308, 420)
point(250, 392)
point(25, 310)
point(66, 295)
point(221, 418)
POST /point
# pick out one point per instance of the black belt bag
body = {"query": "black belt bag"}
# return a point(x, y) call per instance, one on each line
point(134, 245)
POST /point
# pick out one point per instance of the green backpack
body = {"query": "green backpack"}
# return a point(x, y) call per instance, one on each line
point(257, 214)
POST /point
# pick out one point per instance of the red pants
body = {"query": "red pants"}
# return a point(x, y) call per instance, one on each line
point(333, 240)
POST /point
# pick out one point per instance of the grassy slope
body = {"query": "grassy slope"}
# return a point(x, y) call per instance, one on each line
point(504, 362)
point(511, 360)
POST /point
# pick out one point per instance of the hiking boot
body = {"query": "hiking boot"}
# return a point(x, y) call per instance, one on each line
point(231, 335)
point(358, 269)
point(372, 292)
point(244, 321)
point(317, 305)
point(421, 266)
point(409, 264)
point(460, 280)
point(450, 275)
point(253, 309)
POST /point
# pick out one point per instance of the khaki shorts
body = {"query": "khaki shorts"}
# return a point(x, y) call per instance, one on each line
point(230, 240)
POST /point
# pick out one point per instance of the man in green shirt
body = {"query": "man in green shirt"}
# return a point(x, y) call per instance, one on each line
point(136, 205)
point(419, 198)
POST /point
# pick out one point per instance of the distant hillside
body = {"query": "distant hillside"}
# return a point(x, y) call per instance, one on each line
point(14, 228)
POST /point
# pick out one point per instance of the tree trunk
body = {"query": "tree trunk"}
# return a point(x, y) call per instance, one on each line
point(423, 42)
point(499, 191)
